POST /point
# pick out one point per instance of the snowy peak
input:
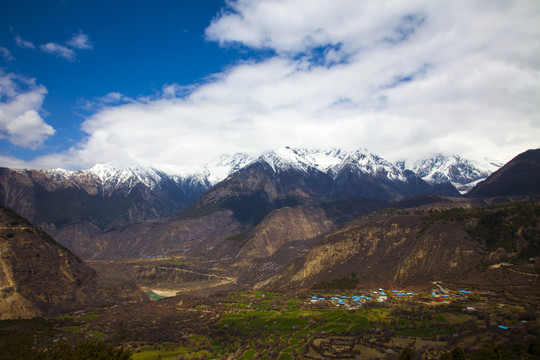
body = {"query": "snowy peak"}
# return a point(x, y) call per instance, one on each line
point(288, 159)
point(224, 166)
point(462, 173)
point(115, 174)
point(332, 162)
point(367, 163)
point(321, 160)
point(109, 177)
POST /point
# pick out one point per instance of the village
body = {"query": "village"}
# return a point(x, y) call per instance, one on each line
point(376, 323)
point(354, 302)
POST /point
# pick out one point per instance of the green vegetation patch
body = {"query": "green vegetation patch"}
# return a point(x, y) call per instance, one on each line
point(238, 237)
point(72, 329)
point(63, 317)
point(285, 356)
point(498, 226)
point(439, 317)
point(160, 354)
point(421, 333)
point(247, 355)
point(89, 316)
point(97, 334)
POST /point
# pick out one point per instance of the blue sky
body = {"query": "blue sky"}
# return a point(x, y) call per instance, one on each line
point(135, 48)
point(182, 82)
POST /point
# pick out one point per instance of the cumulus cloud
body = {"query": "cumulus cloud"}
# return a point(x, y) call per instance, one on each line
point(59, 50)
point(403, 79)
point(80, 41)
point(20, 103)
point(25, 44)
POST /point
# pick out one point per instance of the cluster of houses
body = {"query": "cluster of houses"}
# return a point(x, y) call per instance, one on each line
point(381, 295)
point(441, 296)
point(357, 300)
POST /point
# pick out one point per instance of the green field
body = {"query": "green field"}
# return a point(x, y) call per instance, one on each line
point(265, 325)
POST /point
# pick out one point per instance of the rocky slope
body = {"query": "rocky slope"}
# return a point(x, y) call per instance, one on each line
point(40, 277)
point(218, 235)
point(447, 242)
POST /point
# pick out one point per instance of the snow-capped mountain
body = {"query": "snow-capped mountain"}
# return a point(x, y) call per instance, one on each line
point(119, 193)
point(294, 176)
point(113, 176)
point(217, 170)
point(463, 174)
point(367, 163)
point(300, 159)
point(331, 162)
point(110, 177)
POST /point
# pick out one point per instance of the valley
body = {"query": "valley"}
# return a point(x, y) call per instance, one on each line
point(293, 255)
point(309, 325)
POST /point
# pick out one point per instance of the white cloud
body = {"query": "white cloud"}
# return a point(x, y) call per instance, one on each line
point(59, 50)
point(6, 54)
point(12, 162)
point(299, 25)
point(80, 41)
point(25, 44)
point(20, 102)
point(403, 79)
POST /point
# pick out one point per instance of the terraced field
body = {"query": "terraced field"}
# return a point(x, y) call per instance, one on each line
point(264, 325)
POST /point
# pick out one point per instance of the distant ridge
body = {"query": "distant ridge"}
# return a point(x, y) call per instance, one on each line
point(463, 174)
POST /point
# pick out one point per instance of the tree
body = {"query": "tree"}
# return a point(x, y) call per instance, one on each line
point(84, 351)
point(406, 354)
point(458, 353)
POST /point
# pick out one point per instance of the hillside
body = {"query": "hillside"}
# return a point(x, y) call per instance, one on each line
point(519, 177)
point(38, 276)
point(452, 242)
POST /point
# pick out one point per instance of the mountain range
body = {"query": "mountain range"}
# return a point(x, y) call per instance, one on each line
point(288, 218)
point(125, 193)
point(80, 207)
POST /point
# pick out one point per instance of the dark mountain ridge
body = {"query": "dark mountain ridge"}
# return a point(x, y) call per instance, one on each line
point(519, 177)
